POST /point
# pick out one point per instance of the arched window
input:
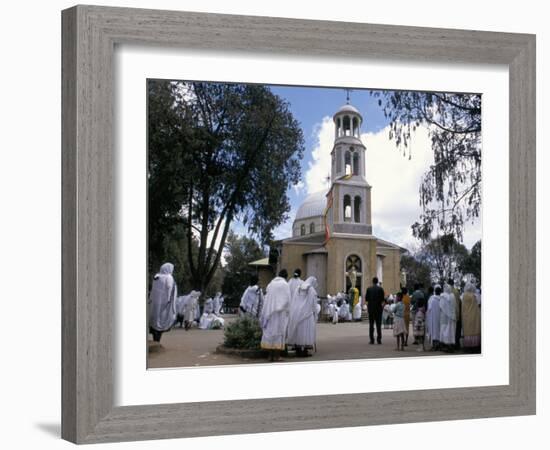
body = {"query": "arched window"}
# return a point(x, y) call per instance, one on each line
point(302, 229)
point(347, 163)
point(356, 127)
point(354, 262)
point(338, 127)
point(312, 227)
point(357, 209)
point(356, 163)
point(346, 126)
point(347, 208)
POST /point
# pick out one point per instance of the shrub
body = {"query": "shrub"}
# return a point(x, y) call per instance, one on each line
point(245, 332)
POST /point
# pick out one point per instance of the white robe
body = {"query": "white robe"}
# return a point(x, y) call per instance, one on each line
point(303, 315)
point(274, 314)
point(293, 285)
point(357, 311)
point(447, 318)
point(333, 312)
point(433, 319)
point(208, 306)
point(251, 299)
point(344, 312)
point(190, 306)
point(162, 299)
point(209, 321)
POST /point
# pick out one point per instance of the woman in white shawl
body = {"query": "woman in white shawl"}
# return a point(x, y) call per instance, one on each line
point(274, 316)
point(190, 306)
point(162, 302)
point(303, 316)
point(252, 299)
point(433, 319)
point(447, 318)
point(294, 283)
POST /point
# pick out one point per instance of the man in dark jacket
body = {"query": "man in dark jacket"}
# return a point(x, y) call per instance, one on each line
point(375, 304)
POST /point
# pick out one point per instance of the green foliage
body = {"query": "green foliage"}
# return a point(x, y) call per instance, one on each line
point(240, 251)
point(472, 264)
point(244, 333)
point(440, 259)
point(445, 256)
point(418, 270)
point(450, 191)
point(217, 152)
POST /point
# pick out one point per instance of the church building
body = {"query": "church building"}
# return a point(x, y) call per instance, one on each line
point(332, 231)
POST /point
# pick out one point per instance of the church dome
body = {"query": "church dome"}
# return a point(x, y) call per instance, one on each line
point(313, 206)
point(347, 108)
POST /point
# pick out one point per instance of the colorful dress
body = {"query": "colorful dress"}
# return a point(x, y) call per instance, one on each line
point(398, 322)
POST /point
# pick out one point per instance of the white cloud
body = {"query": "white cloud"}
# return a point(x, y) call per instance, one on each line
point(298, 187)
point(395, 180)
point(319, 168)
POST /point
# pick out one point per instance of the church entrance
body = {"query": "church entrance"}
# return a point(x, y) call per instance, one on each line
point(354, 269)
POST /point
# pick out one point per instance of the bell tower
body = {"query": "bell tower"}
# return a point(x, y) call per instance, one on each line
point(349, 198)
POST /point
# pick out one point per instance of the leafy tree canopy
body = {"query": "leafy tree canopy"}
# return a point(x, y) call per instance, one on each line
point(218, 153)
point(450, 191)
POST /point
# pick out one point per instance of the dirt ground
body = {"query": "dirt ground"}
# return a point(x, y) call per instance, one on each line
point(349, 340)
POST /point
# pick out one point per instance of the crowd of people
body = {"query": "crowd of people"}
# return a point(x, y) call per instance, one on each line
point(441, 318)
point(287, 314)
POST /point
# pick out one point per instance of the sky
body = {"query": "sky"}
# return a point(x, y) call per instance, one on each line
point(395, 179)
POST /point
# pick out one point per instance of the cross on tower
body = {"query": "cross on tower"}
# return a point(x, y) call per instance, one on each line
point(347, 95)
point(327, 179)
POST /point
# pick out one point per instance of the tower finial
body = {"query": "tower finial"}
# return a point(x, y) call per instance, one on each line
point(347, 95)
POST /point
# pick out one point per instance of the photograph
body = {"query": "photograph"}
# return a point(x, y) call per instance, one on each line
point(296, 223)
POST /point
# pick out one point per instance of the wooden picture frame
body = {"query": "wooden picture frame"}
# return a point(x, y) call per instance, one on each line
point(90, 34)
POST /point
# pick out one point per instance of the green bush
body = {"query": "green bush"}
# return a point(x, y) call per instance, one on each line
point(245, 332)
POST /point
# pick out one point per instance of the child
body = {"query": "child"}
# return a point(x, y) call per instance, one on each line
point(419, 323)
point(399, 322)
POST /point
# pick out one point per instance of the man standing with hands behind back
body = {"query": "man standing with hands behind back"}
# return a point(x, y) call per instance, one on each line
point(375, 301)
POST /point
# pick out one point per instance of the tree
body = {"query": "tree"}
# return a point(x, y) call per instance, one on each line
point(450, 191)
point(418, 270)
point(240, 251)
point(218, 153)
point(445, 256)
point(472, 263)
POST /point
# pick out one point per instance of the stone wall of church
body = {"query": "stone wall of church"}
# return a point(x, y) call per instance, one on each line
point(292, 257)
point(391, 270)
